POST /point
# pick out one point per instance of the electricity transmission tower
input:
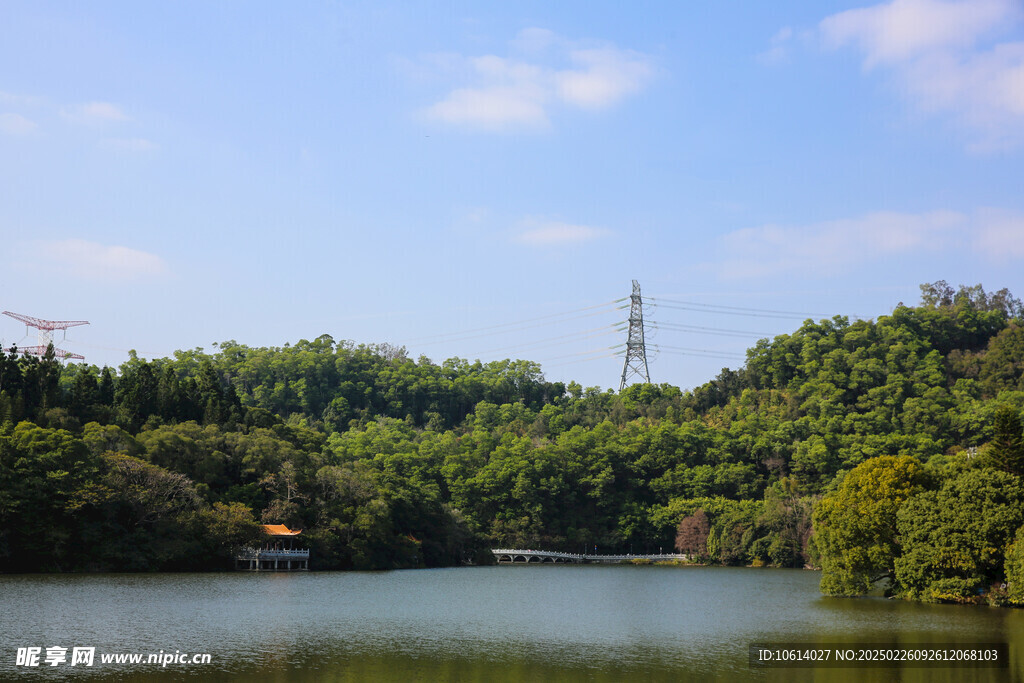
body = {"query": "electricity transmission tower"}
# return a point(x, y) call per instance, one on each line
point(46, 328)
point(636, 353)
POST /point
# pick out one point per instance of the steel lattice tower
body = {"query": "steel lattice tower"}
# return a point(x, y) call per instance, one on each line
point(46, 328)
point(636, 352)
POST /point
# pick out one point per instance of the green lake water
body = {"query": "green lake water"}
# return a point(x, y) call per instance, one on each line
point(507, 623)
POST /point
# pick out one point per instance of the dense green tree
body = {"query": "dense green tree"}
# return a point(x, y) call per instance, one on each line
point(1014, 569)
point(225, 529)
point(855, 525)
point(954, 538)
point(1002, 365)
point(136, 394)
point(85, 395)
point(106, 387)
point(41, 471)
point(786, 523)
point(389, 461)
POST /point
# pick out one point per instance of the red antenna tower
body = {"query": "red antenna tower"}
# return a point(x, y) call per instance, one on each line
point(46, 328)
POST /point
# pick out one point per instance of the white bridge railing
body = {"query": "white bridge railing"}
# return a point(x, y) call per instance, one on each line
point(553, 556)
point(265, 554)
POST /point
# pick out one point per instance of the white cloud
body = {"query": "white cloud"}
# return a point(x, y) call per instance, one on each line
point(602, 77)
point(130, 144)
point(94, 112)
point(16, 124)
point(935, 49)
point(536, 233)
point(779, 50)
point(839, 245)
point(93, 261)
point(494, 108)
point(902, 29)
point(514, 94)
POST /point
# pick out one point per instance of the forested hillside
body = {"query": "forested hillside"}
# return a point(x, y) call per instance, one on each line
point(386, 461)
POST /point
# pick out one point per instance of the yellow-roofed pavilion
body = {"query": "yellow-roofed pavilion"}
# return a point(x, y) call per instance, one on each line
point(279, 552)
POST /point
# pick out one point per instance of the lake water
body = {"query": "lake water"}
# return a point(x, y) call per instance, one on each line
point(507, 623)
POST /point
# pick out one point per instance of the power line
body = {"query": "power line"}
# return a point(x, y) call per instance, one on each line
point(687, 349)
point(584, 360)
point(604, 349)
point(735, 308)
point(675, 327)
point(517, 322)
point(700, 355)
point(514, 329)
point(607, 329)
point(727, 312)
point(729, 359)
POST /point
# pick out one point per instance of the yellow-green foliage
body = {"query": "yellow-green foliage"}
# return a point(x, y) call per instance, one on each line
point(855, 525)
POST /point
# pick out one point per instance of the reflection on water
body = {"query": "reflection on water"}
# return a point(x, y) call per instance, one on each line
point(597, 623)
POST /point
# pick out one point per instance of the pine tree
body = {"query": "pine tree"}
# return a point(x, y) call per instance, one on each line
point(1006, 450)
point(106, 388)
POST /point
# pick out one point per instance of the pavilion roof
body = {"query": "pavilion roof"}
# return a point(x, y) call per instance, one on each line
point(280, 530)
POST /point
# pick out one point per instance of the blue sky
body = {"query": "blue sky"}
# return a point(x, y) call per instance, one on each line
point(480, 180)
